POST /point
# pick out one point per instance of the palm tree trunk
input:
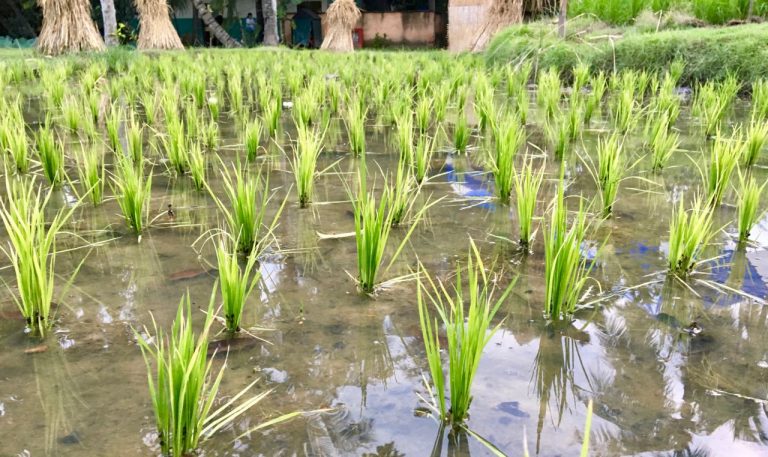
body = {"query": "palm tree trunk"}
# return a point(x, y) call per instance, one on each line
point(217, 30)
point(269, 9)
point(110, 22)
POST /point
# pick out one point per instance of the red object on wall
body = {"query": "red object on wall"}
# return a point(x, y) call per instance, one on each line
point(357, 37)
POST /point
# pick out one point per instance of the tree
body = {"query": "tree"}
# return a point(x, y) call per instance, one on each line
point(210, 22)
point(110, 22)
point(269, 9)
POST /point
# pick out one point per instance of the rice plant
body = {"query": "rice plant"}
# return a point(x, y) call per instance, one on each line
point(592, 103)
point(713, 101)
point(183, 384)
point(610, 170)
point(17, 145)
point(467, 332)
point(198, 164)
point(403, 191)
point(149, 104)
point(73, 114)
point(175, 146)
point(527, 184)
point(422, 157)
point(135, 140)
point(748, 205)
point(112, 124)
point(689, 232)
point(723, 160)
point(756, 137)
point(565, 268)
point(404, 135)
point(663, 143)
point(51, 155)
point(132, 191)
point(760, 99)
point(272, 113)
point(214, 106)
point(461, 134)
point(309, 145)
point(624, 108)
point(422, 114)
point(31, 249)
point(355, 122)
point(549, 92)
point(209, 135)
point(90, 172)
point(508, 138)
point(235, 283)
point(252, 138)
point(558, 135)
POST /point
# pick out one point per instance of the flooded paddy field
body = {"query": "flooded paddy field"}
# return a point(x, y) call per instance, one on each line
point(675, 364)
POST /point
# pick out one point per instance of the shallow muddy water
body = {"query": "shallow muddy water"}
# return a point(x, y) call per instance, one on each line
point(358, 362)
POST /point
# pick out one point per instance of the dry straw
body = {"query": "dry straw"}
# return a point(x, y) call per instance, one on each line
point(156, 30)
point(342, 17)
point(500, 15)
point(67, 27)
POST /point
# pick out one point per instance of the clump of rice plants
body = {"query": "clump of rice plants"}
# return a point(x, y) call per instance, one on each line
point(689, 231)
point(132, 190)
point(271, 111)
point(90, 173)
point(404, 135)
point(557, 131)
point(422, 156)
point(17, 145)
point(183, 384)
point(112, 124)
point(565, 268)
point(467, 332)
point(209, 136)
point(549, 92)
point(663, 143)
point(31, 249)
point(135, 140)
point(403, 191)
point(756, 137)
point(73, 114)
point(508, 138)
point(748, 203)
point(198, 164)
point(309, 145)
point(712, 102)
point(484, 102)
point(723, 160)
point(235, 283)
point(355, 122)
point(149, 104)
point(51, 155)
point(252, 138)
point(527, 185)
point(461, 134)
point(624, 107)
point(175, 145)
point(214, 106)
point(598, 85)
point(609, 171)
point(423, 113)
point(760, 99)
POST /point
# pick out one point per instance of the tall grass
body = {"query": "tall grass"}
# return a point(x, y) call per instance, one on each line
point(183, 384)
point(748, 203)
point(235, 283)
point(90, 172)
point(689, 232)
point(756, 137)
point(467, 332)
point(132, 190)
point(309, 145)
point(508, 138)
point(51, 155)
point(723, 160)
point(355, 122)
point(565, 269)
point(527, 185)
point(31, 249)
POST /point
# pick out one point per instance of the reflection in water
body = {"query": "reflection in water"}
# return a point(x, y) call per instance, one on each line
point(457, 443)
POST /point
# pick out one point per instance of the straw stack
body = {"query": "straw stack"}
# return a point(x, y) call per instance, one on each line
point(501, 14)
point(67, 27)
point(155, 28)
point(342, 16)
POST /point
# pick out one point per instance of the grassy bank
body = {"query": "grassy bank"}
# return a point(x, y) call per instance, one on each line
point(709, 53)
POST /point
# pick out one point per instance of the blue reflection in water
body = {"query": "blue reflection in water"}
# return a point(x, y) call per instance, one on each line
point(470, 183)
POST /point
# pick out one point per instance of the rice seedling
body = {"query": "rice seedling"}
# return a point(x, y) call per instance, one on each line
point(198, 164)
point(508, 138)
point(92, 103)
point(667, 102)
point(149, 104)
point(467, 332)
point(51, 155)
point(135, 139)
point(484, 107)
point(132, 191)
point(309, 145)
point(235, 90)
point(723, 160)
point(527, 184)
point(355, 122)
point(461, 134)
point(183, 384)
point(760, 99)
point(565, 268)
point(90, 173)
point(17, 145)
point(440, 102)
point(756, 137)
point(558, 135)
point(404, 135)
point(235, 283)
point(422, 157)
point(175, 146)
point(549, 92)
point(252, 138)
point(521, 106)
point(580, 78)
point(663, 143)
point(193, 121)
point(423, 113)
point(209, 135)
point(112, 124)
point(712, 102)
point(272, 112)
point(598, 86)
point(403, 191)
point(72, 112)
point(624, 107)
point(214, 106)
point(31, 249)
point(610, 170)
point(748, 205)
point(689, 232)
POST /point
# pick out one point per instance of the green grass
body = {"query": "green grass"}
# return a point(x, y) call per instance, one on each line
point(31, 249)
point(749, 193)
point(723, 160)
point(558, 134)
point(132, 191)
point(309, 145)
point(527, 184)
point(689, 231)
point(565, 269)
point(403, 191)
point(209, 135)
point(508, 138)
point(624, 109)
point(756, 137)
point(467, 332)
point(235, 282)
point(51, 155)
point(90, 172)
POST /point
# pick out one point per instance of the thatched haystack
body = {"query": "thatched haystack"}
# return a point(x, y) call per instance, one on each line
point(155, 28)
point(501, 14)
point(68, 27)
point(342, 16)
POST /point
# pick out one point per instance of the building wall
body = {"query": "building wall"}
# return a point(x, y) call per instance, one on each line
point(410, 28)
point(464, 20)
